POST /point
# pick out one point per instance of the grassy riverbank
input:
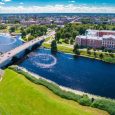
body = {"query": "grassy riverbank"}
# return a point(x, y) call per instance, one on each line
point(101, 103)
point(22, 97)
point(107, 57)
point(61, 48)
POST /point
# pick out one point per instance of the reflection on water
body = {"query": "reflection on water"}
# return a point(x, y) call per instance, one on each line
point(83, 74)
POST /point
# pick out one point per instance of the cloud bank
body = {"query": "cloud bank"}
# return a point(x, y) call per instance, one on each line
point(57, 9)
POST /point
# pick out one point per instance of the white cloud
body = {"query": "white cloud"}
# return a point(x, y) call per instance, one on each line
point(6, 0)
point(58, 9)
point(2, 3)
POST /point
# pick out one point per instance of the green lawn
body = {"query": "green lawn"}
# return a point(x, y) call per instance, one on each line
point(60, 48)
point(83, 52)
point(19, 96)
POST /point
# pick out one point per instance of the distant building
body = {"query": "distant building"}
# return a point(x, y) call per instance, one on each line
point(29, 22)
point(97, 39)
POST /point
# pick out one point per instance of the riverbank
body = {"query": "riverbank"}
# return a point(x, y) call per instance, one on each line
point(62, 87)
point(20, 95)
point(107, 57)
point(96, 102)
point(1, 74)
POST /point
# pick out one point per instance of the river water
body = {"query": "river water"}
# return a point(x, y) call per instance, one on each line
point(7, 42)
point(81, 74)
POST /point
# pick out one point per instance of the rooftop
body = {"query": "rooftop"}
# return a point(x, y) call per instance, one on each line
point(90, 37)
point(95, 31)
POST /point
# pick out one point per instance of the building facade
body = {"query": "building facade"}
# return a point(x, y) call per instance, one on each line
point(97, 39)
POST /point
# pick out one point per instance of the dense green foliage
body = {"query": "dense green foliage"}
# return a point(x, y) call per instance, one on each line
point(12, 29)
point(34, 31)
point(70, 31)
point(76, 50)
point(85, 100)
point(103, 104)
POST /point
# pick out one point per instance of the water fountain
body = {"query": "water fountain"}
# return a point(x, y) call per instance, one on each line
point(42, 60)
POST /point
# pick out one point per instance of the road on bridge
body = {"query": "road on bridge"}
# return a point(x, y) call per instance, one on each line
point(8, 55)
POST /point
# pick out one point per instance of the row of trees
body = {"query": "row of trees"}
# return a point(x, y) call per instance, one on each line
point(89, 52)
point(70, 31)
point(33, 31)
point(77, 52)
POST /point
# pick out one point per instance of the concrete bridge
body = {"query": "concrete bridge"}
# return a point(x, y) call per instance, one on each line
point(6, 57)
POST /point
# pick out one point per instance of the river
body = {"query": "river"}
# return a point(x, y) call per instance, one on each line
point(7, 42)
point(83, 74)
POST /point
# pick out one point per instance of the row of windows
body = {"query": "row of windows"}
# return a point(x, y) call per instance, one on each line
point(109, 46)
point(108, 42)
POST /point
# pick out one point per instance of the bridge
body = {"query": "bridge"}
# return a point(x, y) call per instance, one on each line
point(10, 54)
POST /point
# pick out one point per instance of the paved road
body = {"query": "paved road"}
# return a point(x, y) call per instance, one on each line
point(8, 55)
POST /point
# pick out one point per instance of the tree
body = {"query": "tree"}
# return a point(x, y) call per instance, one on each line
point(95, 54)
point(82, 30)
point(67, 35)
point(74, 34)
point(110, 51)
point(102, 48)
point(75, 47)
point(23, 33)
point(77, 52)
point(53, 47)
point(71, 41)
point(58, 36)
point(34, 30)
point(88, 51)
point(30, 37)
point(12, 29)
point(101, 56)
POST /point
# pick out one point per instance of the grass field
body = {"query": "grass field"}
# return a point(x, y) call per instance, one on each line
point(19, 96)
point(60, 48)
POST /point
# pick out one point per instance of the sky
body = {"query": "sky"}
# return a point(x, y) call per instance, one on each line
point(57, 6)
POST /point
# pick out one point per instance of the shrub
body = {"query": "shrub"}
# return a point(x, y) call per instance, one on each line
point(103, 104)
point(88, 51)
point(101, 56)
point(85, 100)
point(109, 59)
point(112, 55)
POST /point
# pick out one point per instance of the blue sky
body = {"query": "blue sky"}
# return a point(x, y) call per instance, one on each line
point(54, 2)
point(43, 6)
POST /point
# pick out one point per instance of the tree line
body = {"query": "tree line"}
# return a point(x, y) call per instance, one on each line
point(33, 31)
point(71, 30)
